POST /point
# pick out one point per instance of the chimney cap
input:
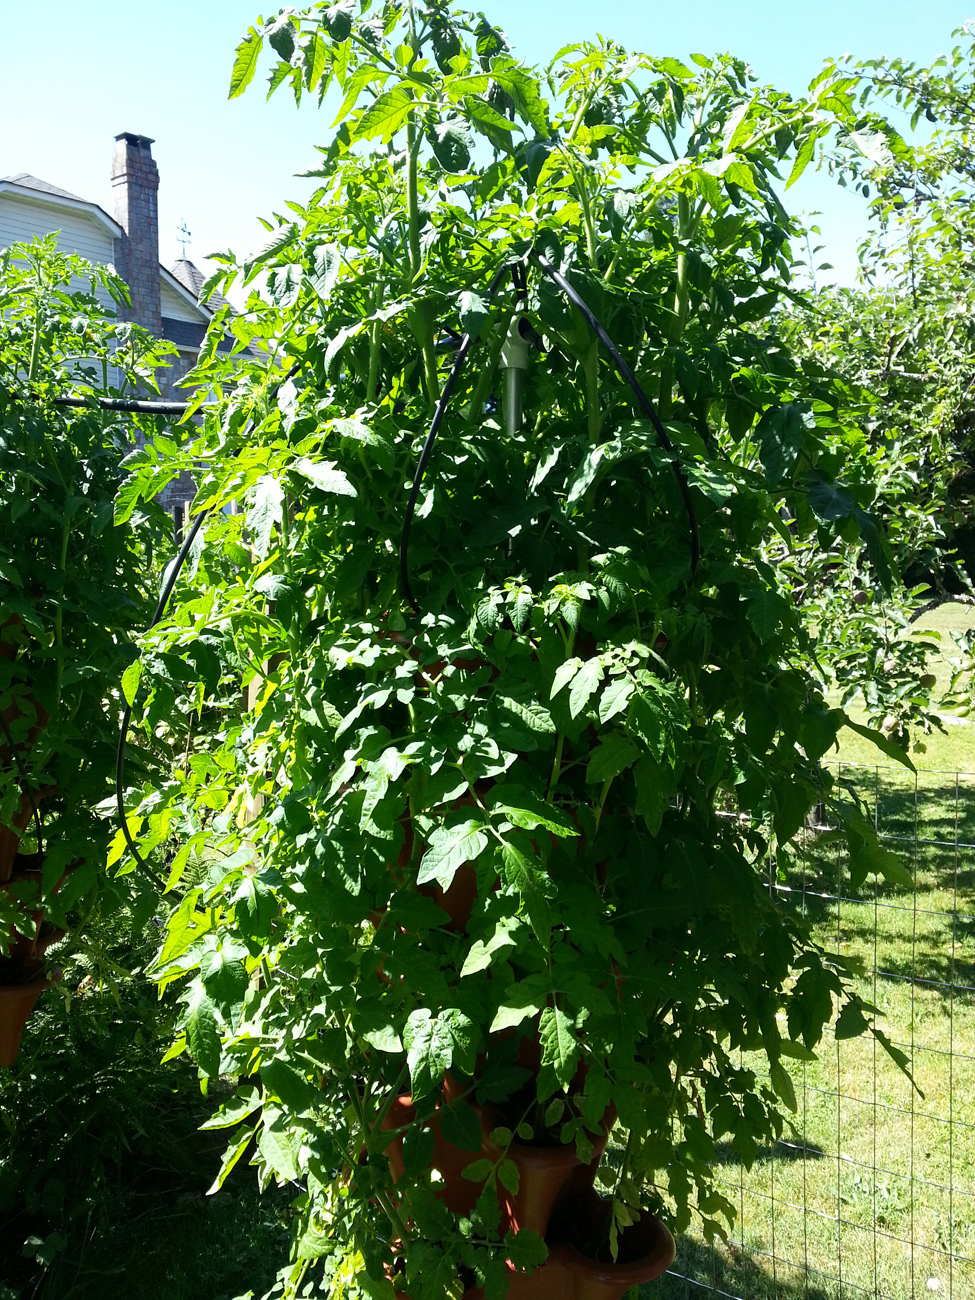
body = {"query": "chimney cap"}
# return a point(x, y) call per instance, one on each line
point(141, 141)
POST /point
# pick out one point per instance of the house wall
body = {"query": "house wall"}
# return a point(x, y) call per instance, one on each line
point(22, 220)
point(175, 307)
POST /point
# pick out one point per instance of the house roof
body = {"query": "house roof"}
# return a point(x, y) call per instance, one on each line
point(185, 278)
point(25, 181)
point(192, 278)
point(32, 187)
point(189, 295)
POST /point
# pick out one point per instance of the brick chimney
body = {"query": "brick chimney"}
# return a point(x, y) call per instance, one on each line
point(135, 182)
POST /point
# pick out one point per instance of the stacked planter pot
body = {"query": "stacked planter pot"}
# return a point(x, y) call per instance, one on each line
point(555, 1198)
point(23, 974)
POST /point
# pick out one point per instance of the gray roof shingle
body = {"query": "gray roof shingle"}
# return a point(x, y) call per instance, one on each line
point(29, 182)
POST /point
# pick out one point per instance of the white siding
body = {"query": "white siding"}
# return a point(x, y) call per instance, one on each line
point(22, 219)
point(175, 306)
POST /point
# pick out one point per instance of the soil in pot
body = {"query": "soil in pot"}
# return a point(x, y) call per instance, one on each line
point(578, 1241)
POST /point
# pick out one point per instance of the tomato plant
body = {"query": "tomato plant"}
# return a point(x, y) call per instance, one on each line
point(592, 703)
point(72, 584)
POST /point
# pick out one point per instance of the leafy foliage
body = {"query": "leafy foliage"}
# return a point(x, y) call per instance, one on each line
point(610, 744)
point(72, 583)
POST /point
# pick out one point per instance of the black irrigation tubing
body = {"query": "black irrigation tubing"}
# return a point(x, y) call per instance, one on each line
point(641, 397)
point(125, 404)
point(24, 781)
point(164, 594)
point(520, 281)
point(431, 438)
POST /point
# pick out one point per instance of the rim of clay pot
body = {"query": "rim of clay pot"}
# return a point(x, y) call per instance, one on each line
point(34, 975)
point(646, 1248)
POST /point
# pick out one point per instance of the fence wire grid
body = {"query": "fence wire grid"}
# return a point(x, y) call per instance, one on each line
point(871, 1194)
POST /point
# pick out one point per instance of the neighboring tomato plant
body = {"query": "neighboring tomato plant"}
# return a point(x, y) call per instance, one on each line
point(615, 735)
point(73, 585)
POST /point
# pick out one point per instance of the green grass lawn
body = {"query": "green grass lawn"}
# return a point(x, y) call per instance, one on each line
point(873, 1193)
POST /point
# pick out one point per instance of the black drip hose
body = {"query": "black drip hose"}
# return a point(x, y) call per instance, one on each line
point(641, 397)
point(164, 594)
point(431, 438)
point(520, 282)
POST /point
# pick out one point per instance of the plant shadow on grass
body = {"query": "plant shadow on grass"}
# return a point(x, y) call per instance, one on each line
point(700, 1271)
point(931, 829)
point(787, 1152)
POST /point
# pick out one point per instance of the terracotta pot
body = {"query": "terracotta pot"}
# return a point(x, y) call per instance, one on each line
point(543, 1284)
point(646, 1250)
point(546, 1173)
point(37, 934)
point(31, 947)
point(17, 1001)
point(458, 1193)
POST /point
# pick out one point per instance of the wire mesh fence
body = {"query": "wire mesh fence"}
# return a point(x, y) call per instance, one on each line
point(872, 1192)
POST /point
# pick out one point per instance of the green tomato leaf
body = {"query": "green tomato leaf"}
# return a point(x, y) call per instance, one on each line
point(782, 1083)
point(483, 951)
point(256, 909)
point(326, 262)
point(564, 674)
point(451, 143)
point(434, 1044)
point(460, 1125)
point(284, 285)
point(273, 243)
point(532, 886)
point(614, 755)
point(450, 847)
point(338, 20)
point(880, 740)
point(236, 1148)
point(615, 698)
point(473, 312)
point(508, 1017)
point(288, 1084)
point(584, 683)
point(245, 63)
point(130, 681)
point(246, 1101)
point(560, 1051)
point(323, 475)
point(225, 978)
point(529, 713)
point(385, 115)
point(277, 1147)
point(281, 37)
point(264, 512)
point(528, 810)
point(200, 1023)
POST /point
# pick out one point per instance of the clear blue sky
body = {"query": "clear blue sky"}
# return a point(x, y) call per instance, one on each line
point(73, 75)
